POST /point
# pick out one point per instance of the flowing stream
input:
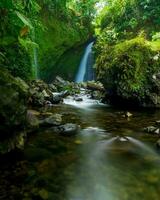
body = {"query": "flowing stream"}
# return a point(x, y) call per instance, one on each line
point(110, 158)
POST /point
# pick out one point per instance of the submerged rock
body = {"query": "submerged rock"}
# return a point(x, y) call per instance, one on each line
point(68, 129)
point(150, 129)
point(77, 98)
point(53, 120)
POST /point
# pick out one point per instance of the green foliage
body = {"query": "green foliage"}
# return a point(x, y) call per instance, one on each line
point(25, 21)
point(127, 68)
point(53, 25)
point(130, 16)
point(18, 18)
point(55, 44)
point(16, 60)
point(156, 36)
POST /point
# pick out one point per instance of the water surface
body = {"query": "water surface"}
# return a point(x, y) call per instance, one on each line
point(96, 164)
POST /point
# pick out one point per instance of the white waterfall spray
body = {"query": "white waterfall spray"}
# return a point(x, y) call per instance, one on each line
point(83, 65)
point(35, 56)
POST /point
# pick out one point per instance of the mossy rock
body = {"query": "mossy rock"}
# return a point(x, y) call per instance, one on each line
point(127, 68)
point(13, 101)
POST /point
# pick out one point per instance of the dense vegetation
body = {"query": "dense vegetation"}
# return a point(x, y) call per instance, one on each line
point(128, 48)
point(37, 33)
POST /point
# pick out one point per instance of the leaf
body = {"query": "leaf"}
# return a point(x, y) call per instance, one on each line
point(6, 4)
point(28, 44)
point(24, 19)
point(24, 31)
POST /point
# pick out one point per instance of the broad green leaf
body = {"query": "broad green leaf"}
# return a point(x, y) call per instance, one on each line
point(24, 19)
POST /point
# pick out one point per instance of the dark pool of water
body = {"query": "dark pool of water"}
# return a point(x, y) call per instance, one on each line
point(93, 165)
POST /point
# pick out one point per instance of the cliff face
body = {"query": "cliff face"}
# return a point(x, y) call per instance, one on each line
point(60, 47)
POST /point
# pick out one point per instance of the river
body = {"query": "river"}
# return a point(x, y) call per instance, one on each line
point(96, 164)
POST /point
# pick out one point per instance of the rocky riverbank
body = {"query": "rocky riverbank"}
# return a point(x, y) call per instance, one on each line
point(22, 107)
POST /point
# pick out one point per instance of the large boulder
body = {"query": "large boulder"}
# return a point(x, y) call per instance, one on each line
point(13, 101)
point(129, 71)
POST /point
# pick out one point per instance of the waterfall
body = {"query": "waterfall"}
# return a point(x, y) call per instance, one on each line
point(34, 57)
point(85, 71)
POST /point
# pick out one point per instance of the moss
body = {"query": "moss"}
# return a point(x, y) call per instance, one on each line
point(56, 43)
point(13, 102)
point(14, 58)
point(68, 63)
point(126, 69)
point(155, 45)
point(54, 34)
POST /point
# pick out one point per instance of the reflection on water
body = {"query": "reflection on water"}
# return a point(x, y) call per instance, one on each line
point(107, 173)
point(143, 147)
point(110, 159)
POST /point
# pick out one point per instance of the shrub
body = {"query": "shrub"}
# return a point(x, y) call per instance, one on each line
point(126, 68)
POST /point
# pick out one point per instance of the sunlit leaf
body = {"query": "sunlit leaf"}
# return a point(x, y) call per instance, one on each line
point(24, 19)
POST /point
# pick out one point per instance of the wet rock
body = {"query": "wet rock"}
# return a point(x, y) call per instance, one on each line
point(39, 93)
point(32, 118)
point(36, 98)
point(127, 114)
point(64, 94)
point(157, 131)
point(46, 114)
point(68, 129)
point(158, 122)
point(48, 103)
point(57, 98)
point(98, 95)
point(45, 94)
point(150, 129)
point(39, 84)
point(59, 81)
point(13, 109)
point(52, 87)
point(122, 139)
point(78, 98)
point(53, 120)
point(92, 85)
